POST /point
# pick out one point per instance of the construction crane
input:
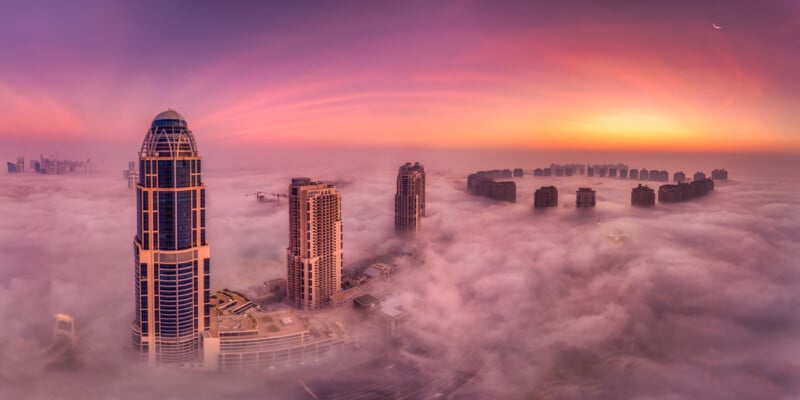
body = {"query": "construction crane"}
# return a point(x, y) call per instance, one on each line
point(262, 196)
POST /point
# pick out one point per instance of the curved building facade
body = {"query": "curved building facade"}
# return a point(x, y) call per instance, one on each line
point(172, 256)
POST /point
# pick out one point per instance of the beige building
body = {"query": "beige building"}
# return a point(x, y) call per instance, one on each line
point(409, 202)
point(242, 337)
point(314, 255)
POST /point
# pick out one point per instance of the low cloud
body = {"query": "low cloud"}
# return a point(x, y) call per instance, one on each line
point(689, 300)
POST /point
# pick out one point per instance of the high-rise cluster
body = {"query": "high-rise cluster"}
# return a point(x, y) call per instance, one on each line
point(409, 201)
point(171, 253)
point(314, 255)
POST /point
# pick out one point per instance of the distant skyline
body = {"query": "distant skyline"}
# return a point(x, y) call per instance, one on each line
point(618, 75)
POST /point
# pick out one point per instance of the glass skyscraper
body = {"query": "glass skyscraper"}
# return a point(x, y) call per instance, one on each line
point(172, 256)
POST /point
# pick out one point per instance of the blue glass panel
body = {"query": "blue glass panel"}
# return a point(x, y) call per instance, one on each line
point(166, 221)
point(166, 178)
point(184, 219)
point(182, 173)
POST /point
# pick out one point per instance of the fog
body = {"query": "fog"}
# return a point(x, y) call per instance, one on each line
point(689, 300)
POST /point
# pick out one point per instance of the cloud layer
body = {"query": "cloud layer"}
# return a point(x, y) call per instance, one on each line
point(690, 300)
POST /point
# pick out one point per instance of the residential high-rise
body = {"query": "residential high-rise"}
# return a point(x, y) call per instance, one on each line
point(584, 198)
point(643, 196)
point(546, 196)
point(409, 201)
point(172, 256)
point(314, 255)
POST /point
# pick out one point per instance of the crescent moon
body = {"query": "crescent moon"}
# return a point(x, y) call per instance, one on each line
point(716, 26)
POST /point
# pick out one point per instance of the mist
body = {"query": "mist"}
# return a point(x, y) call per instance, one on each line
point(689, 300)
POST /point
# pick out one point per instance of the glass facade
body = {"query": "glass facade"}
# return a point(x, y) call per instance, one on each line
point(172, 258)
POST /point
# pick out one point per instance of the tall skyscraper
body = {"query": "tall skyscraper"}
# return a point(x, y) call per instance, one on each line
point(172, 256)
point(314, 255)
point(409, 201)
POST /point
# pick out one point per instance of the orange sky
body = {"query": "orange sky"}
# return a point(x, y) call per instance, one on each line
point(576, 76)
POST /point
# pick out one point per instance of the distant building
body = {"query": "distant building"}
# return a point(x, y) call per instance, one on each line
point(634, 174)
point(644, 174)
point(684, 191)
point(643, 196)
point(483, 183)
point(314, 255)
point(719, 174)
point(612, 172)
point(538, 172)
point(518, 172)
point(12, 167)
point(409, 200)
point(546, 196)
point(585, 198)
point(548, 172)
point(698, 176)
point(601, 172)
point(679, 177)
point(623, 174)
point(20, 164)
point(590, 171)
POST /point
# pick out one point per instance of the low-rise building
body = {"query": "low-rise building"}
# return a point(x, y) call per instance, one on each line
point(679, 177)
point(241, 336)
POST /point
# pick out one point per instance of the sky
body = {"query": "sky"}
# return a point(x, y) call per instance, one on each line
point(571, 75)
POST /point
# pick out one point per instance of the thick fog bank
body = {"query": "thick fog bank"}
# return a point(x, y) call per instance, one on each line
point(688, 300)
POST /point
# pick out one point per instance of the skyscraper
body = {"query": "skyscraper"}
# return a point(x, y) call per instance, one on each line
point(172, 256)
point(314, 255)
point(409, 201)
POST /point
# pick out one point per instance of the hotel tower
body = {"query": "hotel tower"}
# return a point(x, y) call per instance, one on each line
point(314, 255)
point(171, 268)
point(409, 202)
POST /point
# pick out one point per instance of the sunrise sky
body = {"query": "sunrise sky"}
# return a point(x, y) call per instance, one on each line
point(622, 75)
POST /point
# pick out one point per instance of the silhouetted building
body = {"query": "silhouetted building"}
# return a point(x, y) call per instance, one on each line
point(719, 174)
point(538, 172)
point(679, 177)
point(314, 255)
point(20, 164)
point(643, 196)
point(601, 172)
point(699, 176)
point(409, 200)
point(590, 171)
point(623, 174)
point(644, 175)
point(546, 196)
point(612, 172)
point(684, 191)
point(558, 171)
point(172, 256)
point(12, 167)
point(659, 176)
point(634, 174)
point(483, 183)
point(585, 198)
point(518, 172)
point(548, 172)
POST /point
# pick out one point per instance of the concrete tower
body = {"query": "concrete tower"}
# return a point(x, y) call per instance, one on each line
point(409, 201)
point(172, 256)
point(314, 255)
